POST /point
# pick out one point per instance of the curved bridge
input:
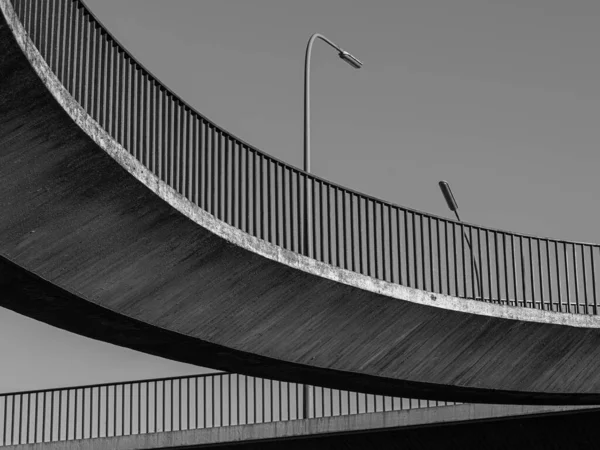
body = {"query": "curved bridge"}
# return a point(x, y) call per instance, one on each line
point(129, 217)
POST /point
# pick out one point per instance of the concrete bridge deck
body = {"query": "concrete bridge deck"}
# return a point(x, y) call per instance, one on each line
point(94, 242)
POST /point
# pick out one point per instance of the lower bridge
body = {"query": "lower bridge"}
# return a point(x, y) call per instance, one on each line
point(226, 409)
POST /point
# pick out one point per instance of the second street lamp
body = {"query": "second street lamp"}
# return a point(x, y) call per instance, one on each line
point(453, 206)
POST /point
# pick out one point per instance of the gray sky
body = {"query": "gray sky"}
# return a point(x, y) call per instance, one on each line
point(498, 97)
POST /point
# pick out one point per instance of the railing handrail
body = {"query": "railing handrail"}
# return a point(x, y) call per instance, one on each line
point(115, 383)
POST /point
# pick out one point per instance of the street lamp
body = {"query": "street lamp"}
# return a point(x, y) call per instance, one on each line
point(354, 62)
point(453, 206)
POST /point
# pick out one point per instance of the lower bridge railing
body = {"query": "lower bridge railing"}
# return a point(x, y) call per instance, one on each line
point(174, 404)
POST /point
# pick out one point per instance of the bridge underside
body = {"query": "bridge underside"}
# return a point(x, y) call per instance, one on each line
point(86, 246)
point(543, 432)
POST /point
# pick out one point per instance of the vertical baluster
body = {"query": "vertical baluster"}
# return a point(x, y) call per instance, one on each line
point(446, 253)
point(58, 15)
point(558, 283)
point(431, 272)
point(145, 113)
point(514, 269)
point(455, 258)
point(100, 83)
point(137, 115)
point(66, 18)
point(376, 248)
point(196, 399)
point(422, 239)
point(531, 273)
point(75, 414)
point(247, 190)
point(285, 200)
point(497, 264)
point(255, 226)
point(549, 275)
point(261, 199)
point(336, 225)
point(489, 265)
point(406, 250)
point(30, 18)
point(240, 195)
point(169, 144)
point(38, 14)
point(265, 167)
point(593, 280)
point(52, 416)
point(180, 112)
point(126, 100)
point(194, 150)
point(35, 424)
point(568, 290)
point(439, 255)
point(343, 244)
point(171, 427)
point(93, 68)
point(585, 284)
point(521, 257)
point(219, 174)
point(75, 49)
point(139, 408)
point(207, 170)
point(155, 429)
point(299, 219)
point(322, 219)
point(246, 399)
point(462, 250)
point(51, 36)
point(506, 293)
point(368, 236)
point(43, 36)
point(576, 278)
point(191, 154)
point(106, 410)
point(84, 42)
point(20, 426)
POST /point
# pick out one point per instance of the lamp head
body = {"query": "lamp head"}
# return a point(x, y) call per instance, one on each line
point(350, 59)
point(450, 200)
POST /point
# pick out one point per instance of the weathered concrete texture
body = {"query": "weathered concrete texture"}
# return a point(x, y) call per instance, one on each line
point(92, 242)
point(386, 429)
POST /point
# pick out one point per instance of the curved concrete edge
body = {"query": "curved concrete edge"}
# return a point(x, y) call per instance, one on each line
point(320, 427)
point(256, 245)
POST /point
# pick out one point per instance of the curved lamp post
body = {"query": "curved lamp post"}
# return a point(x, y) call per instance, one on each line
point(453, 206)
point(354, 62)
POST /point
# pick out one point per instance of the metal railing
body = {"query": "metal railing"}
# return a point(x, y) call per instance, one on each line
point(174, 404)
point(266, 197)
